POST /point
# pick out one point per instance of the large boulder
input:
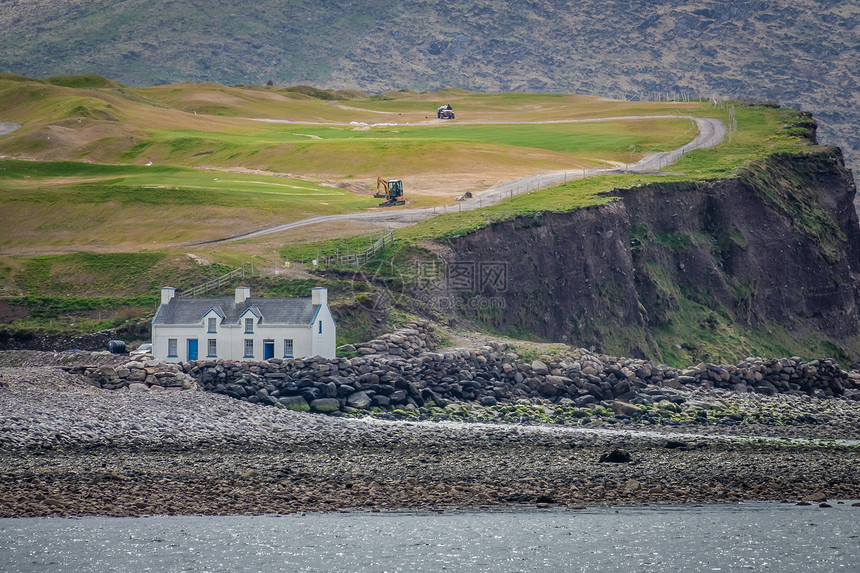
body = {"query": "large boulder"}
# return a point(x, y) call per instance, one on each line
point(295, 403)
point(325, 405)
point(625, 408)
point(358, 400)
point(553, 386)
point(540, 368)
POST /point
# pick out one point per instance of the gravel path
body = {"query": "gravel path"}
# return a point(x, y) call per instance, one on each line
point(67, 448)
point(711, 133)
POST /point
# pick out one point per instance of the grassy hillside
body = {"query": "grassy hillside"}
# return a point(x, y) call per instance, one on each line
point(194, 125)
point(90, 231)
point(801, 53)
point(765, 131)
point(699, 329)
point(100, 155)
point(113, 191)
point(61, 206)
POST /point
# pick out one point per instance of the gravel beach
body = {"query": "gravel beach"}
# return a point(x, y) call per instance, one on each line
point(68, 448)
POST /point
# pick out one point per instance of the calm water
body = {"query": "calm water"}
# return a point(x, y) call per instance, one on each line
point(747, 537)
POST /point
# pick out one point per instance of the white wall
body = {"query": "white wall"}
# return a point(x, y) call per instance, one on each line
point(160, 335)
point(324, 344)
point(230, 340)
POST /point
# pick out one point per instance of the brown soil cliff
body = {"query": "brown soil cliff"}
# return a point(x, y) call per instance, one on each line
point(778, 246)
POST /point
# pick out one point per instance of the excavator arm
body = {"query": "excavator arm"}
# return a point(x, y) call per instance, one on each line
point(381, 188)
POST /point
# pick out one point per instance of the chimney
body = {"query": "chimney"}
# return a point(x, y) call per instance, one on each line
point(243, 293)
point(167, 294)
point(319, 295)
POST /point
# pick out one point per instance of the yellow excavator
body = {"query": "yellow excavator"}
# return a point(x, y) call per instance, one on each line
point(391, 190)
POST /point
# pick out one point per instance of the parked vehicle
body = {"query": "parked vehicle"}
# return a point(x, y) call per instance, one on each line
point(445, 112)
point(142, 349)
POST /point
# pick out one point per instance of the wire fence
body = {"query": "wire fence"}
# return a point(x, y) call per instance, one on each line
point(361, 257)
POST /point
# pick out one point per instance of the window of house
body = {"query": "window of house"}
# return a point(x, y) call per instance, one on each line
point(288, 348)
point(171, 347)
point(320, 331)
point(212, 321)
point(249, 325)
point(249, 348)
point(213, 347)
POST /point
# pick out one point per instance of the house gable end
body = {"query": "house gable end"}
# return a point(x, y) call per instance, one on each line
point(214, 312)
point(252, 310)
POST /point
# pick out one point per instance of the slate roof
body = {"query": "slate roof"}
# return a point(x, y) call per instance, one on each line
point(292, 311)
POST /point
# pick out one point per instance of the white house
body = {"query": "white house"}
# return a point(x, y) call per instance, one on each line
point(242, 328)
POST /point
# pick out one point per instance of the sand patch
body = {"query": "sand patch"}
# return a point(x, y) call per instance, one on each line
point(199, 259)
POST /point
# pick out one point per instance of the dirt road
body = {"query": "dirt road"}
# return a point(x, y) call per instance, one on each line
point(711, 133)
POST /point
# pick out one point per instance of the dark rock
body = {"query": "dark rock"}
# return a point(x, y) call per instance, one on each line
point(296, 403)
point(325, 405)
point(328, 390)
point(359, 400)
point(539, 368)
point(595, 391)
point(617, 456)
point(381, 400)
point(625, 409)
point(310, 394)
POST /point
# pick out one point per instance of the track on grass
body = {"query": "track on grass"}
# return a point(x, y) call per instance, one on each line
point(711, 133)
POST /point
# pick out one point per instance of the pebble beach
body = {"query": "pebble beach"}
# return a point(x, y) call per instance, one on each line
point(68, 448)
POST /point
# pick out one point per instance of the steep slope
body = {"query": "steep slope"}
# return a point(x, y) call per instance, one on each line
point(801, 53)
point(681, 272)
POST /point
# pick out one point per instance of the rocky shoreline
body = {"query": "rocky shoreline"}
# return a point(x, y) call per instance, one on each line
point(69, 448)
point(403, 376)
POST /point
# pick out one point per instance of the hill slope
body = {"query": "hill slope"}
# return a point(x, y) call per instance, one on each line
point(800, 53)
point(190, 166)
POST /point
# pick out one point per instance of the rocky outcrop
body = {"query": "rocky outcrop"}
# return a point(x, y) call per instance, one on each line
point(777, 246)
point(415, 337)
point(138, 375)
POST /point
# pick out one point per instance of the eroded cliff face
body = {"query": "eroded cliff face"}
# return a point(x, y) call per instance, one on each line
point(776, 248)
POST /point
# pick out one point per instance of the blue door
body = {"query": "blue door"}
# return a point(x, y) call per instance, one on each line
point(268, 349)
point(192, 349)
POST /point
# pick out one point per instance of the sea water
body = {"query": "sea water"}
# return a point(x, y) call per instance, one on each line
point(731, 537)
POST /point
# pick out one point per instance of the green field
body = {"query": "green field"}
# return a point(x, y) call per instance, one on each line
point(90, 231)
point(215, 173)
point(765, 130)
point(590, 138)
point(62, 205)
point(88, 181)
